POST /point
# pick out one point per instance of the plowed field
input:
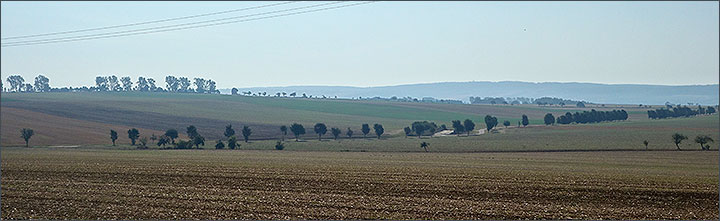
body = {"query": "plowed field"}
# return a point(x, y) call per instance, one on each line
point(58, 183)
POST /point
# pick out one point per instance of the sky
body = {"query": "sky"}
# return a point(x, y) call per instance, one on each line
point(377, 44)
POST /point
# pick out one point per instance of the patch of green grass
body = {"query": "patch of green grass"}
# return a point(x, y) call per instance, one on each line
point(605, 136)
point(393, 115)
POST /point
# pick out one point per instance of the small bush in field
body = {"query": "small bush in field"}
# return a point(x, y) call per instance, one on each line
point(279, 145)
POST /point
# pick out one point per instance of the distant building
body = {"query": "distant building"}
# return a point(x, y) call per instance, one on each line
point(428, 99)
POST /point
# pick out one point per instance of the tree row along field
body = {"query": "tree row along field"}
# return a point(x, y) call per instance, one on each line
point(86, 118)
point(60, 183)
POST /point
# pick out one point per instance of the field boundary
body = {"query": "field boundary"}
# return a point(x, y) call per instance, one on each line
point(76, 147)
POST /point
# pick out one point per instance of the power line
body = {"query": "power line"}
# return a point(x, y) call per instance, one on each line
point(162, 27)
point(151, 30)
point(197, 26)
point(147, 22)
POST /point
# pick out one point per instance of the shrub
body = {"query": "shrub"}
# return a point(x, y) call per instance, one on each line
point(279, 145)
point(182, 144)
point(143, 143)
point(219, 145)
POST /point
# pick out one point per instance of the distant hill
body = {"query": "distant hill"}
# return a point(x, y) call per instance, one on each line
point(596, 93)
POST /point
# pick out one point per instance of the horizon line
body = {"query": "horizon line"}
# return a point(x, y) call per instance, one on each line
point(506, 81)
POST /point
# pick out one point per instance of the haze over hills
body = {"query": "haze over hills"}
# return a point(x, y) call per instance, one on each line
point(591, 92)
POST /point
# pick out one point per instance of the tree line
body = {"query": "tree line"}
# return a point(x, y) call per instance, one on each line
point(17, 84)
point(524, 100)
point(585, 117)
point(143, 84)
point(115, 84)
point(424, 128)
point(419, 129)
point(679, 111)
point(231, 141)
point(411, 99)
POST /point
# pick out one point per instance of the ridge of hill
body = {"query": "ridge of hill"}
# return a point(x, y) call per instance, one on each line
point(591, 92)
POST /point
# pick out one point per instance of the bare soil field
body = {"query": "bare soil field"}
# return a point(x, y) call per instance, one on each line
point(56, 130)
point(61, 183)
point(97, 114)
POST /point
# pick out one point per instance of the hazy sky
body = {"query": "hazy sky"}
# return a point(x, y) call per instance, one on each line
point(383, 43)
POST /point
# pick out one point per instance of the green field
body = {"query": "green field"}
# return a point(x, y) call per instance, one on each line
point(85, 118)
point(610, 136)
